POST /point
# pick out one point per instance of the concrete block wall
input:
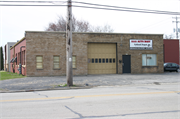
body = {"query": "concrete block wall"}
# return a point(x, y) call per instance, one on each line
point(48, 44)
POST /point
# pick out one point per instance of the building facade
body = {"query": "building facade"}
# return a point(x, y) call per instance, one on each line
point(18, 56)
point(93, 53)
point(171, 50)
point(7, 66)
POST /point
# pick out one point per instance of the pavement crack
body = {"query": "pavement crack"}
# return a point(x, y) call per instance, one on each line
point(151, 88)
point(80, 115)
point(41, 94)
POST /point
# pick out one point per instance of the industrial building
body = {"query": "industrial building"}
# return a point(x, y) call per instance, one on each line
point(171, 51)
point(44, 53)
point(7, 66)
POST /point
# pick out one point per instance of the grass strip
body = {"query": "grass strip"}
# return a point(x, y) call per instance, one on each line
point(9, 75)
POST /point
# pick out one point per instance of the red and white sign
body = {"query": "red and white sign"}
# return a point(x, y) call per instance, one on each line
point(140, 44)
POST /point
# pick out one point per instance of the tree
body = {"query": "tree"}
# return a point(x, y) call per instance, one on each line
point(78, 26)
point(2, 59)
point(169, 36)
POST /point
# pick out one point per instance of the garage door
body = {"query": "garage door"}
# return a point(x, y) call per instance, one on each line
point(101, 58)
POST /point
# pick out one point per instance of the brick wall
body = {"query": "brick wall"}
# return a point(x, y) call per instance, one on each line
point(48, 44)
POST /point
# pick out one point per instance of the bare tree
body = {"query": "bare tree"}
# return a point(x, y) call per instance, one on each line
point(78, 26)
point(169, 36)
point(106, 28)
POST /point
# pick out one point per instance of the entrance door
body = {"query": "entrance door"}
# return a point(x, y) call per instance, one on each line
point(126, 63)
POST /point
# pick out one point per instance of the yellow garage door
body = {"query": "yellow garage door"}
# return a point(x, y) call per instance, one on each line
point(101, 58)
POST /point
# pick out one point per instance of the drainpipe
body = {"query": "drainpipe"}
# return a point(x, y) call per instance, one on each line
point(20, 65)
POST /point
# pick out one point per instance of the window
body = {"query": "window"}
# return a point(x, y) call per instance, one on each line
point(39, 62)
point(96, 60)
point(149, 60)
point(106, 60)
point(92, 60)
point(16, 59)
point(114, 60)
point(24, 57)
point(103, 60)
point(73, 61)
point(110, 60)
point(99, 60)
point(174, 65)
point(56, 64)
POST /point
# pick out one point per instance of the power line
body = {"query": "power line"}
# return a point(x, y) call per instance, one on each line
point(120, 7)
point(168, 13)
point(30, 5)
point(34, 1)
point(153, 24)
point(127, 9)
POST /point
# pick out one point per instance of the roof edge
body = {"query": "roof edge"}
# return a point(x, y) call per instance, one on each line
point(90, 32)
point(17, 43)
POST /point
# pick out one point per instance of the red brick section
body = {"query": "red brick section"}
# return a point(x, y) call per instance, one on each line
point(15, 52)
point(171, 50)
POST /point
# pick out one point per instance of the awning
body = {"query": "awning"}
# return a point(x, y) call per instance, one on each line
point(14, 60)
point(11, 60)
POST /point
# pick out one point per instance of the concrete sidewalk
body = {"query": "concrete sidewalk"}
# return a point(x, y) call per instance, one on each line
point(81, 82)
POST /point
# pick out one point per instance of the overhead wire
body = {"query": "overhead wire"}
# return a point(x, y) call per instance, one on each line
point(119, 7)
point(30, 5)
point(103, 7)
point(33, 1)
point(159, 12)
point(152, 25)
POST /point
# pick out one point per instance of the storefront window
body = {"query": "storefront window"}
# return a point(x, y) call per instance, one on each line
point(149, 60)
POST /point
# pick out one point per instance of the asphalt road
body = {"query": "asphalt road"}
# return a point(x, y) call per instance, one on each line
point(105, 102)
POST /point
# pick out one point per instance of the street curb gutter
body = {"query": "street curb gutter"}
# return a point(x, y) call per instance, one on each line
point(82, 87)
point(50, 89)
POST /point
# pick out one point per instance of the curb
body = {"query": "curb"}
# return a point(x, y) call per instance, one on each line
point(50, 89)
point(85, 87)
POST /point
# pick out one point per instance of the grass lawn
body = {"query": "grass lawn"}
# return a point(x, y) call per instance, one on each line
point(8, 75)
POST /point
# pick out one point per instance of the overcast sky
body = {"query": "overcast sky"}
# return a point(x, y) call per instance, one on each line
point(14, 21)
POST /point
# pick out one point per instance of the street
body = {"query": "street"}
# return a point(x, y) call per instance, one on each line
point(114, 102)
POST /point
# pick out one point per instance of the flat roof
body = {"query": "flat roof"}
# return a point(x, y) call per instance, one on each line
point(91, 32)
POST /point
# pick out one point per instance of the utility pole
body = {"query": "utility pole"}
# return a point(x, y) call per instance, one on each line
point(176, 25)
point(69, 73)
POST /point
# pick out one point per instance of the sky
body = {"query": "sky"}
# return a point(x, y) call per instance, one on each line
point(15, 20)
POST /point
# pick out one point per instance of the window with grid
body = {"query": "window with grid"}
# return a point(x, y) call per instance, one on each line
point(149, 60)
point(56, 60)
point(73, 61)
point(39, 62)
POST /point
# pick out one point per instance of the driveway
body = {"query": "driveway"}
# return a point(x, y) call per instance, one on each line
point(56, 82)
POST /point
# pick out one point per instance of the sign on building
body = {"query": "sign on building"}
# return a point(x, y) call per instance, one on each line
point(140, 44)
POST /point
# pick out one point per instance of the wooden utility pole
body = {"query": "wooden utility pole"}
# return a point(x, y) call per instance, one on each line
point(69, 73)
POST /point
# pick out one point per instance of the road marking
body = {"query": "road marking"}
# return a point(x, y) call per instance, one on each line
point(84, 96)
